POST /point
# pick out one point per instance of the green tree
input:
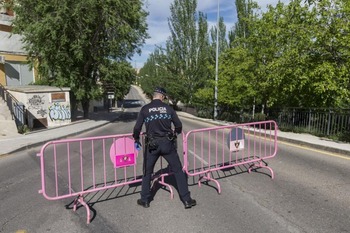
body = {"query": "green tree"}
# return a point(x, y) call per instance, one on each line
point(7, 4)
point(72, 42)
point(245, 10)
point(266, 46)
point(151, 74)
point(300, 53)
point(187, 48)
point(329, 73)
point(117, 77)
point(235, 82)
point(183, 66)
point(157, 72)
point(311, 66)
point(204, 96)
point(223, 43)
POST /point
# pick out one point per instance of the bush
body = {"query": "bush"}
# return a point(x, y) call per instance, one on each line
point(259, 117)
point(344, 137)
point(23, 129)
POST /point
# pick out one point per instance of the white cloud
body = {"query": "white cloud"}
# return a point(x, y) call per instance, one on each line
point(158, 9)
point(158, 31)
point(264, 3)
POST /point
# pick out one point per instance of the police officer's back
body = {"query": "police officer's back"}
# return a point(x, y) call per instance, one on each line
point(158, 118)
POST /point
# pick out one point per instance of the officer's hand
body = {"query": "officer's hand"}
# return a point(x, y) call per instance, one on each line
point(138, 145)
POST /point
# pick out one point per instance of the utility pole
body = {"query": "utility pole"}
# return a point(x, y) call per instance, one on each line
point(217, 64)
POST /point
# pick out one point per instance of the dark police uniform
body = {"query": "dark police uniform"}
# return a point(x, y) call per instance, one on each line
point(158, 118)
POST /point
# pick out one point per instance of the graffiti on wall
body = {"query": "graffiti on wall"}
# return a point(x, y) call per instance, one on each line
point(59, 112)
point(41, 112)
point(36, 102)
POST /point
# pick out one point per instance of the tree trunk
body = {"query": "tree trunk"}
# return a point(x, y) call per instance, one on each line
point(85, 104)
point(73, 106)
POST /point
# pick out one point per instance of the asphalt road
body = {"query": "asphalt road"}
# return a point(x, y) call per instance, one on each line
point(310, 193)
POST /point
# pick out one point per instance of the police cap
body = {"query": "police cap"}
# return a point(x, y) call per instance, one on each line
point(161, 91)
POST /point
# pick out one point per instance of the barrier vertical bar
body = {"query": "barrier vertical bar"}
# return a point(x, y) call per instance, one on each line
point(55, 162)
point(270, 139)
point(222, 149)
point(265, 138)
point(93, 163)
point(115, 169)
point(124, 153)
point(216, 149)
point(209, 151)
point(194, 150)
point(42, 172)
point(69, 177)
point(81, 166)
point(202, 161)
point(104, 161)
point(185, 152)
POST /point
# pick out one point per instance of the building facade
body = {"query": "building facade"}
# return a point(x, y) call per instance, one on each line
point(14, 68)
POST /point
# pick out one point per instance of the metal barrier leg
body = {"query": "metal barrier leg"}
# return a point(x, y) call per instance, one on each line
point(162, 182)
point(208, 178)
point(80, 199)
point(261, 165)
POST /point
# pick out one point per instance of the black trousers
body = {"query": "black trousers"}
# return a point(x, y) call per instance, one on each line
point(166, 148)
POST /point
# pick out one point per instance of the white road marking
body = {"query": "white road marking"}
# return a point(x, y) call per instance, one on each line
point(198, 157)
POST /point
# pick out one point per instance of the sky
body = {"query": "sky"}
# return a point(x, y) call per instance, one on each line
point(159, 12)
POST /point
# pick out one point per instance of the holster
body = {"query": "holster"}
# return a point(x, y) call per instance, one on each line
point(171, 136)
point(151, 143)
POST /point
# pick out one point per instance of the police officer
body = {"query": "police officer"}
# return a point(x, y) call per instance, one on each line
point(158, 118)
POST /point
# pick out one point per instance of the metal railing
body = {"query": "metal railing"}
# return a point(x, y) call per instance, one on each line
point(17, 109)
point(322, 122)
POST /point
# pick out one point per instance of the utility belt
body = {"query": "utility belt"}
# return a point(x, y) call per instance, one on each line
point(170, 136)
point(152, 141)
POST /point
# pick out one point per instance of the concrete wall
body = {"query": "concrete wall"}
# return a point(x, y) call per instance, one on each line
point(49, 108)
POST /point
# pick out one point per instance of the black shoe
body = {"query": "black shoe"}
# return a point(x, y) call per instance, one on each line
point(142, 203)
point(190, 203)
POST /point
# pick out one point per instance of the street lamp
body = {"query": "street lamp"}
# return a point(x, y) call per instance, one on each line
point(217, 64)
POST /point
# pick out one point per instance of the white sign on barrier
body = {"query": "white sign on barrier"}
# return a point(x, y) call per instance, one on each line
point(235, 139)
point(237, 145)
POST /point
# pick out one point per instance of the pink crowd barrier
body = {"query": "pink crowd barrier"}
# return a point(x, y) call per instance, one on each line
point(74, 168)
point(221, 148)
